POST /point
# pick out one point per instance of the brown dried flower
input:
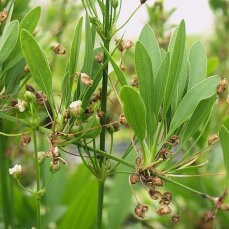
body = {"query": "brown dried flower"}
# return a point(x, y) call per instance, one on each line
point(99, 58)
point(86, 80)
point(164, 210)
point(134, 178)
point(134, 81)
point(140, 210)
point(25, 140)
point(122, 119)
point(174, 140)
point(166, 198)
point(154, 194)
point(59, 49)
point(213, 138)
point(29, 88)
point(222, 86)
point(3, 15)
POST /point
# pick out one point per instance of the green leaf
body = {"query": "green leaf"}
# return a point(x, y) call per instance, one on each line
point(175, 65)
point(92, 128)
point(199, 116)
point(161, 78)
point(29, 22)
point(89, 48)
point(8, 40)
point(213, 64)
point(201, 91)
point(224, 137)
point(74, 55)
point(37, 61)
point(149, 40)
point(198, 64)
point(134, 110)
point(118, 71)
point(146, 86)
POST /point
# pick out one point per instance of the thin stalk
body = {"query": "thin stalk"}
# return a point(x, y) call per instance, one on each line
point(100, 204)
point(37, 179)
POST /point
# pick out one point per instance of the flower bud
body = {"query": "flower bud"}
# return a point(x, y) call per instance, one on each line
point(140, 210)
point(176, 218)
point(123, 68)
point(26, 69)
point(15, 171)
point(134, 81)
point(114, 3)
point(40, 97)
point(29, 88)
point(99, 58)
point(59, 49)
point(25, 140)
point(166, 198)
point(75, 108)
point(134, 178)
point(21, 105)
point(213, 138)
point(174, 140)
point(3, 15)
point(143, 1)
point(222, 86)
point(129, 44)
point(13, 102)
point(122, 119)
point(54, 167)
point(29, 97)
point(86, 80)
point(41, 157)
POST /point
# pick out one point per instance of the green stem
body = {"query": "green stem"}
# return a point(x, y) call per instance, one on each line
point(37, 179)
point(100, 204)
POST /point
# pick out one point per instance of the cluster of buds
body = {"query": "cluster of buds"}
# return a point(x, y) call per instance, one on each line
point(222, 86)
point(16, 171)
point(3, 16)
point(123, 45)
point(59, 49)
point(212, 139)
point(54, 154)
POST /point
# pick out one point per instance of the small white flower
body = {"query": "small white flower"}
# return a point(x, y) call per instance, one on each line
point(15, 171)
point(21, 104)
point(76, 106)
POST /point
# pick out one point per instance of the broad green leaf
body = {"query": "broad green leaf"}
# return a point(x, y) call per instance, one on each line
point(199, 116)
point(198, 64)
point(224, 137)
point(92, 128)
point(213, 64)
point(8, 40)
point(146, 86)
point(149, 40)
point(161, 79)
point(134, 110)
point(175, 65)
point(203, 90)
point(74, 55)
point(29, 22)
point(37, 61)
point(163, 53)
point(118, 71)
point(89, 48)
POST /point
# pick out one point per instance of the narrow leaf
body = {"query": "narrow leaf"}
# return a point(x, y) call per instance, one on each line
point(134, 110)
point(203, 90)
point(37, 61)
point(149, 40)
point(198, 64)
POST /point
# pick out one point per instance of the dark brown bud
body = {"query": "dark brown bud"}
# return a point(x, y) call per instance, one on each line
point(99, 58)
point(143, 1)
point(40, 97)
point(157, 181)
point(14, 102)
point(154, 194)
point(122, 119)
point(213, 138)
point(222, 86)
point(164, 210)
point(59, 49)
point(174, 140)
point(3, 15)
point(166, 198)
point(29, 88)
point(25, 140)
point(176, 218)
point(134, 81)
point(134, 178)
point(140, 210)
point(165, 153)
point(208, 216)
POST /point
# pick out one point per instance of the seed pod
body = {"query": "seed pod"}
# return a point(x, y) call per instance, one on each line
point(134, 178)
point(25, 140)
point(122, 119)
point(86, 80)
point(59, 49)
point(213, 138)
point(134, 81)
point(164, 210)
point(176, 218)
point(54, 167)
point(174, 140)
point(99, 58)
point(3, 15)
point(208, 216)
point(154, 194)
point(29, 88)
point(222, 86)
point(26, 69)
point(140, 210)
